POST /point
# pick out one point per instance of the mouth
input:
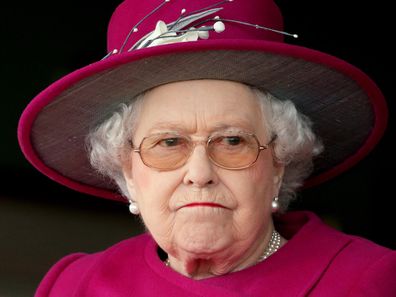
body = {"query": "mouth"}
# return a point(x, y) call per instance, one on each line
point(204, 204)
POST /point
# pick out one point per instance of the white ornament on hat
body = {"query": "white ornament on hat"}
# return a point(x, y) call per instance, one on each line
point(179, 30)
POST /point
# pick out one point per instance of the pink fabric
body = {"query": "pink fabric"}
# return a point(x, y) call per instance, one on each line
point(317, 261)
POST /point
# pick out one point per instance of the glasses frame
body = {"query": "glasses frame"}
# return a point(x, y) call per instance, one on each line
point(206, 142)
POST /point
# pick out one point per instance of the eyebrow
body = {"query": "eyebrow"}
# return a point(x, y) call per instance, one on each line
point(181, 127)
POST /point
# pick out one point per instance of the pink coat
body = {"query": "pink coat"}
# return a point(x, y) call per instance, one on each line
point(316, 261)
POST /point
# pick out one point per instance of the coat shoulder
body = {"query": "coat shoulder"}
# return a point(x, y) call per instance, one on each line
point(58, 279)
point(376, 269)
point(68, 276)
point(360, 268)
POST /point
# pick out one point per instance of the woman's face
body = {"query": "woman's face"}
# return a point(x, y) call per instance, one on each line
point(201, 210)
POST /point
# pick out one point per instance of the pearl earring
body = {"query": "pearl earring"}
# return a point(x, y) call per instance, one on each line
point(133, 207)
point(275, 204)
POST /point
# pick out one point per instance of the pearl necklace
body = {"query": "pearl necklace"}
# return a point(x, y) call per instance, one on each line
point(273, 245)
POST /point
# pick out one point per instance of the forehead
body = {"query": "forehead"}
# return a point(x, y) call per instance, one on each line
point(200, 105)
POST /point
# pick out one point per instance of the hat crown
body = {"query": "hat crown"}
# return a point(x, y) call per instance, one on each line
point(257, 12)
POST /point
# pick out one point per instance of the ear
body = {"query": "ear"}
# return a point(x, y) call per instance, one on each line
point(127, 172)
point(279, 170)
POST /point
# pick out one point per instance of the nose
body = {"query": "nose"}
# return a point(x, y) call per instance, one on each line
point(199, 169)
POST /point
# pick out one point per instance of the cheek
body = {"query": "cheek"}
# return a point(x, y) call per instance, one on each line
point(256, 187)
point(145, 178)
point(252, 190)
point(153, 189)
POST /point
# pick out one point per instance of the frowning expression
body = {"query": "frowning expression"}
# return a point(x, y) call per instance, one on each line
point(200, 208)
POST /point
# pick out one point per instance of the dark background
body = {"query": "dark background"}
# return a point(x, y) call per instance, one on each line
point(41, 221)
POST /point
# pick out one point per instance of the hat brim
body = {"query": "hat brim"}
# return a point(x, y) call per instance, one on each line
point(347, 108)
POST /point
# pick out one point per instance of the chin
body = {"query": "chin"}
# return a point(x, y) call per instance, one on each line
point(203, 239)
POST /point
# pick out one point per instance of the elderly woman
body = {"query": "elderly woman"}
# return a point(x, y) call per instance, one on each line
point(200, 132)
point(204, 174)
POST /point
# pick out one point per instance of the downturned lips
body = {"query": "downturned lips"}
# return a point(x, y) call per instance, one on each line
point(203, 204)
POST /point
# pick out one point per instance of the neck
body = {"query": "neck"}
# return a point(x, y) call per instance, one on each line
point(205, 267)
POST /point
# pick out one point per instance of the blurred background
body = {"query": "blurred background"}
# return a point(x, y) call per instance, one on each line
point(41, 221)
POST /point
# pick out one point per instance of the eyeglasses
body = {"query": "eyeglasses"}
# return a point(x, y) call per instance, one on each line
point(169, 151)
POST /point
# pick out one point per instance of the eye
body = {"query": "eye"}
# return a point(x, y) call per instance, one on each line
point(232, 140)
point(229, 141)
point(162, 142)
point(171, 141)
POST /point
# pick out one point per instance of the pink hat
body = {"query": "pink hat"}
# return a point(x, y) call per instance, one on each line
point(154, 42)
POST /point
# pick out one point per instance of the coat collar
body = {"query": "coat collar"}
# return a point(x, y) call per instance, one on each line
point(292, 271)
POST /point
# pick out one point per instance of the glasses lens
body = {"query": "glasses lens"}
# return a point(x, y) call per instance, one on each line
point(165, 151)
point(234, 151)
